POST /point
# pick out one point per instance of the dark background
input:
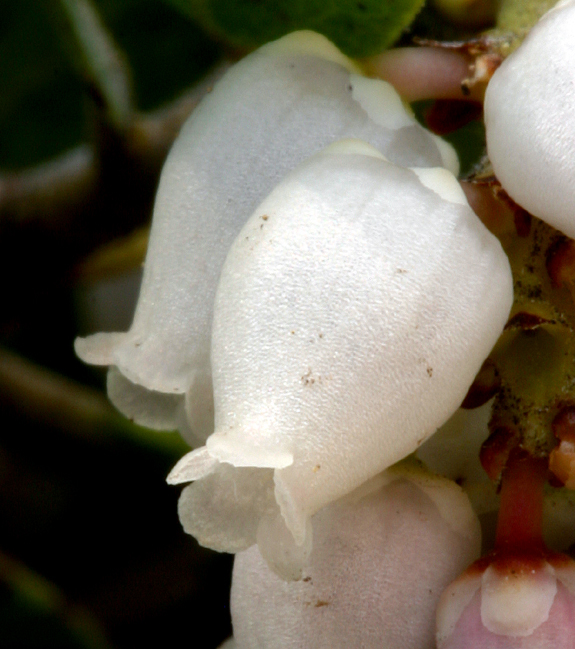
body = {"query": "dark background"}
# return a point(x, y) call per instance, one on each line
point(91, 550)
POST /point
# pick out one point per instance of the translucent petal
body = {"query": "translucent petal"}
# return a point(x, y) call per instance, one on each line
point(272, 110)
point(147, 408)
point(193, 466)
point(224, 509)
point(278, 548)
point(353, 312)
point(379, 563)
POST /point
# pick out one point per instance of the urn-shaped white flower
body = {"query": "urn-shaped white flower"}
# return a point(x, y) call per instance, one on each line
point(353, 312)
point(382, 556)
point(270, 112)
point(530, 121)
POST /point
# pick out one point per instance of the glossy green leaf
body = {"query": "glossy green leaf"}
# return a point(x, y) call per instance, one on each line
point(358, 27)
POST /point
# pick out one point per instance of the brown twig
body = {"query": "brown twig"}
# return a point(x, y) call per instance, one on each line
point(55, 194)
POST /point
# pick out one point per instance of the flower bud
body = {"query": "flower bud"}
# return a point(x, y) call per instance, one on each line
point(530, 122)
point(353, 312)
point(381, 558)
point(271, 111)
point(511, 603)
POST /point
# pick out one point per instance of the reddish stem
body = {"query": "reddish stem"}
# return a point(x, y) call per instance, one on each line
point(519, 526)
point(424, 73)
point(493, 212)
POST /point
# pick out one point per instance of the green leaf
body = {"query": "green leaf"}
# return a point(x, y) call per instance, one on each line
point(41, 99)
point(359, 27)
point(167, 53)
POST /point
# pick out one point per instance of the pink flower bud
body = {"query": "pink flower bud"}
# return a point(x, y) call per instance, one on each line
point(520, 602)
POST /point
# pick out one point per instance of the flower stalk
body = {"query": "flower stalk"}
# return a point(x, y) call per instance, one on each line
point(519, 525)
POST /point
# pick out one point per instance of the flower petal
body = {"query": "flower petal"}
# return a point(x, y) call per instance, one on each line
point(223, 510)
point(379, 563)
point(516, 604)
point(270, 111)
point(353, 312)
point(530, 122)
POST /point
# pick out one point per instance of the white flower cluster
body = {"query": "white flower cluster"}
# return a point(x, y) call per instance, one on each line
point(270, 112)
point(317, 298)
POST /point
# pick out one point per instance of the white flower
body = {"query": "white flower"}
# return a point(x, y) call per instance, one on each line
point(382, 557)
point(271, 111)
point(530, 120)
point(354, 310)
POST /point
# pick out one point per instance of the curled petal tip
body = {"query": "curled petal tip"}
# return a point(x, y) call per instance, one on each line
point(98, 349)
point(195, 465)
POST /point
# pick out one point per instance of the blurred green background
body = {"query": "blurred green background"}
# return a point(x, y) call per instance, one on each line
point(91, 550)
